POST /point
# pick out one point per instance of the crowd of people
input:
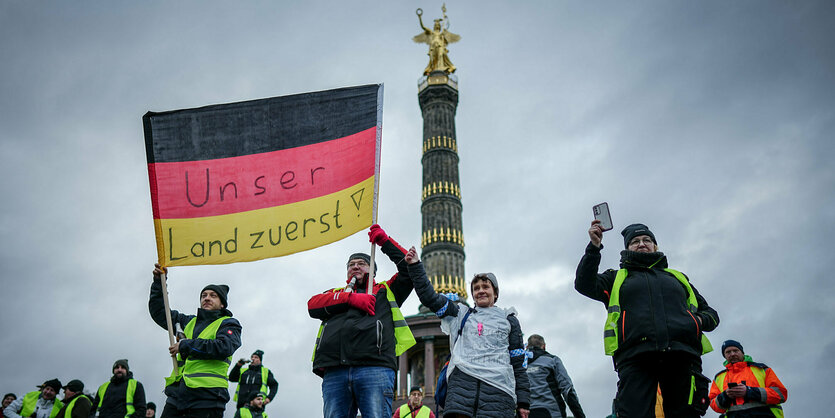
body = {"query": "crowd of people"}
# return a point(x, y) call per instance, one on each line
point(654, 331)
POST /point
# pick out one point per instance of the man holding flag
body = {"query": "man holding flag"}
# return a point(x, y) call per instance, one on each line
point(361, 335)
point(199, 386)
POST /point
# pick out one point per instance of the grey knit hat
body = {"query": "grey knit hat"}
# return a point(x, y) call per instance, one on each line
point(487, 276)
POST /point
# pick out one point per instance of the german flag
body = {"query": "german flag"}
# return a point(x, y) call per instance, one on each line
point(263, 178)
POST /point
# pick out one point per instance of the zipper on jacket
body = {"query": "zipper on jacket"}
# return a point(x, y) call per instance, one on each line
point(379, 337)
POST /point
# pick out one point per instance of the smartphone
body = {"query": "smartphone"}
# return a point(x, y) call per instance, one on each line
point(732, 384)
point(601, 213)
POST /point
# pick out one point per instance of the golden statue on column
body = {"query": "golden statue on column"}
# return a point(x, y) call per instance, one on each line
point(437, 38)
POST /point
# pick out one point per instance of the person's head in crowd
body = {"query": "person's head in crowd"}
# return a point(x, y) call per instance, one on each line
point(638, 238)
point(213, 297)
point(121, 368)
point(536, 340)
point(257, 401)
point(50, 389)
point(8, 399)
point(415, 397)
point(257, 357)
point(358, 266)
point(150, 410)
point(732, 351)
point(74, 387)
point(485, 289)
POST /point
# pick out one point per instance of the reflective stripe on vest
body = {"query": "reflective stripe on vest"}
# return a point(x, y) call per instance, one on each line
point(404, 339)
point(759, 374)
point(402, 334)
point(610, 329)
point(405, 411)
point(202, 373)
point(131, 390)
point(30, 401)
point(265, 372)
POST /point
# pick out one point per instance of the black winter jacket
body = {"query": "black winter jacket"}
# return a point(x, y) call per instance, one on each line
point(114, 404)
point(249, 383)
point(350, 337)
point(227, 340)
point(654, 311)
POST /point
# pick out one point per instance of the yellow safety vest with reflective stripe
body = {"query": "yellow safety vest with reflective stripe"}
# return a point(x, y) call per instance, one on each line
point(759, 373)
point(128, 396)
point(68, 412)
point(265, 373)
point(30, 401)
point(402, 334)
point(423, 412)
point(202, 373)
point(610, 329)
point(246, 413)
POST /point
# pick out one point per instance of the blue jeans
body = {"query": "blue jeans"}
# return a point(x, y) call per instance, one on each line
point(367, 388)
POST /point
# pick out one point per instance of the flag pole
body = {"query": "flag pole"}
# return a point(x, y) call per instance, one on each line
point(168, 316)
point(378, 152)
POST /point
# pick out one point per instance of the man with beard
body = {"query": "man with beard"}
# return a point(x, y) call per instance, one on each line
point(122, 396)
point(199, 387)
point(76, 403)
point(253, 379)
point(37, 404)
point(254, 408)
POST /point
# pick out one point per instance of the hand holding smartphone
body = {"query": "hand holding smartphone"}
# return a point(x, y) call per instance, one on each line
point(601, 213)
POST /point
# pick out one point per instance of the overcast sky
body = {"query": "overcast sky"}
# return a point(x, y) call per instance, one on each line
point(710, 121)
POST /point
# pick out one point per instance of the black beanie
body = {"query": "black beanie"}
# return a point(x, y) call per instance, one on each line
point(221, 289)
point(122, 362)
point(54, 384)
point(363, 256)
point(731, 343)
point(635, 230)
point(259, 353)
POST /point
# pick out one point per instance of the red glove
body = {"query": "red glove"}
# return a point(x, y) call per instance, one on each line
point(377, 235)
point(363, 302)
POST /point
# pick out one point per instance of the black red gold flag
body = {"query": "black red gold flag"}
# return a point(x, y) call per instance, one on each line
point(263, 178)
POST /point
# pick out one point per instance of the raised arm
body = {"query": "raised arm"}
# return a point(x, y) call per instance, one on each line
point(156, 305)
point(426, 293)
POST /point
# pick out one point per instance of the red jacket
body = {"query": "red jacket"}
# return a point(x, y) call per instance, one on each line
point(765, 391)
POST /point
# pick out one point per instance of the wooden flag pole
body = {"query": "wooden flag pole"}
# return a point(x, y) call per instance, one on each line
point(168, 317)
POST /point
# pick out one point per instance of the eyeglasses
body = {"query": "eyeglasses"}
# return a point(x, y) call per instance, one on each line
point(639, 240)
point(360, 263)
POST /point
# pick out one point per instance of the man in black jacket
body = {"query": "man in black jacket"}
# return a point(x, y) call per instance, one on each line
point(361, 335)
point(551, 387)
point(253, 379)
point(654, 325)
point(76, 403)
point(122, 396)
point(199, 388)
